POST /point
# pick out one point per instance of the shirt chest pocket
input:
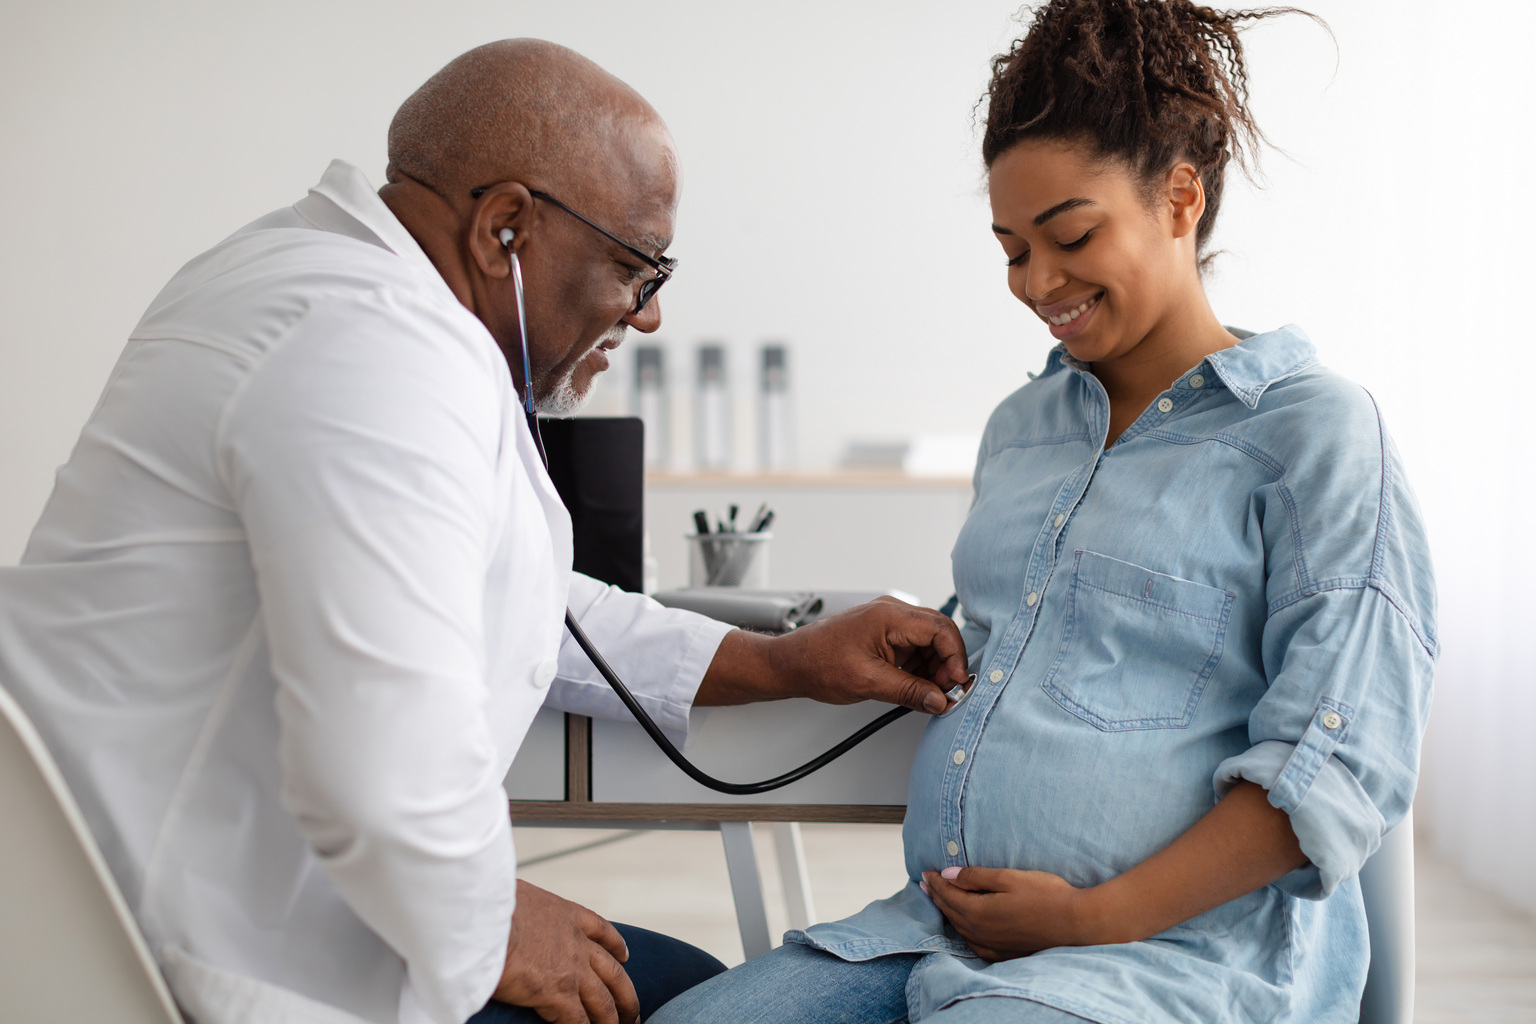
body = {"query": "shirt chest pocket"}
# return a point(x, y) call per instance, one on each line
point(1138, 647)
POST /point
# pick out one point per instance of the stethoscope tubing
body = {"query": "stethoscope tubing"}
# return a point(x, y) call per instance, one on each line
point(688, 767)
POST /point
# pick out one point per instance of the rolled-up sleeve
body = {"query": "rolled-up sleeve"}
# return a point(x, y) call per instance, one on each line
point(1348, 647)
point(661, 654)
point(1336, 737)
point(361, 457)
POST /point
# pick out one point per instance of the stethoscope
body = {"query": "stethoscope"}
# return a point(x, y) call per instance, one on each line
point(956, 695)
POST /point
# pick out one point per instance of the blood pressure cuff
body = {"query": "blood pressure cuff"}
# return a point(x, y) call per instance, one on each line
point(769, 611)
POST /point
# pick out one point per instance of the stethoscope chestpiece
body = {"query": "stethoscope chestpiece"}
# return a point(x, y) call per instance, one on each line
point(958, 694)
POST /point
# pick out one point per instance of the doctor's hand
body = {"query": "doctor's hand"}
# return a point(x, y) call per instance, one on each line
point(563, 962)
point(1003, 913)
point(885, 650)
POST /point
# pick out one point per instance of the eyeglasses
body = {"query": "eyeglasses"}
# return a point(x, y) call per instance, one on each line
point(663, 265)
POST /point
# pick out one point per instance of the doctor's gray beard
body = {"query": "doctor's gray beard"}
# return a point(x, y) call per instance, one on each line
point(563, 399)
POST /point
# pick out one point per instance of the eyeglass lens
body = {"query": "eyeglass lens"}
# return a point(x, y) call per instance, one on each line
point(648, 288)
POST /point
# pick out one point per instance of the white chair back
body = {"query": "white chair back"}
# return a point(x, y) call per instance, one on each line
point(1386, 882)
point(69, 948)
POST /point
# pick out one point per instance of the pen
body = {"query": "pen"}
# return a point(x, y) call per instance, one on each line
point(706, 545)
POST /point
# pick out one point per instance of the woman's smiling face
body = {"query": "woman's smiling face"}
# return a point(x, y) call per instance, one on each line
point(1086, 250)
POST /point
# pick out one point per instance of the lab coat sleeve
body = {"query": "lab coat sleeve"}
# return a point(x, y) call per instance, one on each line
point(661, 654)
point(1349, 649)
point(360, 455)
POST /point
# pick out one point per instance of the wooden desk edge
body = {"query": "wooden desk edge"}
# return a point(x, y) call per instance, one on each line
point(555, 811)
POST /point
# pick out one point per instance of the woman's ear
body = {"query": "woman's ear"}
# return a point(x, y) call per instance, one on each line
point(499, 223)
point(1185, 197)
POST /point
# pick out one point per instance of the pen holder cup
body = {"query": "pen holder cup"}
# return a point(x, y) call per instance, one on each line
point(728, 559)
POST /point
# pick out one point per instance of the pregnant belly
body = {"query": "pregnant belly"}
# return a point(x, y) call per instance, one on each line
point(1043, 790)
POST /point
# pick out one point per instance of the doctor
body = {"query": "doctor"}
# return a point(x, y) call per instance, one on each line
point(298, 592)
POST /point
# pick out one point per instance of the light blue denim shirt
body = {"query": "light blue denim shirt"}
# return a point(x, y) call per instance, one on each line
point(1238, 588)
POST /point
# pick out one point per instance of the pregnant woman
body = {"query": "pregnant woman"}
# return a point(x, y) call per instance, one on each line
point(1200, 607)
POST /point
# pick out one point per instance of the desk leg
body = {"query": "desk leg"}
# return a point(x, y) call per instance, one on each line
point(797, 881)
point(746, 888)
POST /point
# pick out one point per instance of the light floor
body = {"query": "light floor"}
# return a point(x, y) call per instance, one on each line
point(1476, 962)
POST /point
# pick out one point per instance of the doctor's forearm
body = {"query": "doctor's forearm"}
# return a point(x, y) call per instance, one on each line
point(744, 670)
point(1243, 844)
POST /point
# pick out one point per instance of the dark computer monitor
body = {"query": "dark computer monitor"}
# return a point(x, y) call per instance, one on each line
point(598, 466)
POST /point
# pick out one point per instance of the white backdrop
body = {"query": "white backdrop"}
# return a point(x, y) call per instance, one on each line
point(833, 199)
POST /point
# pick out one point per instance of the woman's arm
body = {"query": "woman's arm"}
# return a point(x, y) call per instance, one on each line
point(1243, 844)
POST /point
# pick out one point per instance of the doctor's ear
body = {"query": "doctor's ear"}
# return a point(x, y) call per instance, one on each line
point(499, 223)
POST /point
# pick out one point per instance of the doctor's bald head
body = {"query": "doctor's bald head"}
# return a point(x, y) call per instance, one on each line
point(526, 151)
point(536, 112)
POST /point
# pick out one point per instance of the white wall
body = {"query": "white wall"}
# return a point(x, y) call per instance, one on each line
point(833, 199)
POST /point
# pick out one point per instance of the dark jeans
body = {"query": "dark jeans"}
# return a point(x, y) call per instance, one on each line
point(659, 965)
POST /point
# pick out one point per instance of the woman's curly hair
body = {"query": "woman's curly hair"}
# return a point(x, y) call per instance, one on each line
point(1150, 82)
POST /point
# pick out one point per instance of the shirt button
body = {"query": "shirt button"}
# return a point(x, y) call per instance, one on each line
point(1197, 381)
point(1165, 405)
point(1332, 720)
point(544, 673)
point(1032, 598)
point(953, 848)
point(959, 757)
point(1060, 518)
point(996, 675)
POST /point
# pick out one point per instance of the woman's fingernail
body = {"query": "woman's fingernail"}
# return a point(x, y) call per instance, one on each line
point(923, 886)
point(950, 873)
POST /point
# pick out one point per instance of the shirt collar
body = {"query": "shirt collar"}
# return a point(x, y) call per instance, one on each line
point(1252, 365)
point(1247, 368)
point(346, 203)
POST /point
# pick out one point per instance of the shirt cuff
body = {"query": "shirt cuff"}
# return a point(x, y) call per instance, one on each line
point(661, 654)
point(1334, 819)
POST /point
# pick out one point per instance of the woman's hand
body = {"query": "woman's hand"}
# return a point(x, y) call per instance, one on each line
point(1002, 913)
point(1242, 844)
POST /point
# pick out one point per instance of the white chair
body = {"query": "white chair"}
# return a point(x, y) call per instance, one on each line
point(1386, 882)
point(69, 948)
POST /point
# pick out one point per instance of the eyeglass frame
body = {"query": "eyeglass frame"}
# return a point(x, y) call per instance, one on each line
point(662, 265)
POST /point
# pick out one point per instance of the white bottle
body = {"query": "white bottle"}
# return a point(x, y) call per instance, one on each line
point(651, 405)
point(775, 423)
point(712, 412)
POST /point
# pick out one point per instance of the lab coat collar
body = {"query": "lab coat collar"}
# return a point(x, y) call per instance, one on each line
point(345, 202)
point(1247, 368)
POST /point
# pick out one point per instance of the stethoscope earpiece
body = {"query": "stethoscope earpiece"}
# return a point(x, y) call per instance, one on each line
point(505, 235)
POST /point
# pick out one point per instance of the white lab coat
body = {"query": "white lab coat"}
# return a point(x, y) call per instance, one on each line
point(288, 614)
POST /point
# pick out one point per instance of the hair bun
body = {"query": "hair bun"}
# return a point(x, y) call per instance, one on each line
point(1150, 82)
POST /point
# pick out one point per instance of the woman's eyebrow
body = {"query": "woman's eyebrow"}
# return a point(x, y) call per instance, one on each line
point(1060, 208)
point(1055, 211)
